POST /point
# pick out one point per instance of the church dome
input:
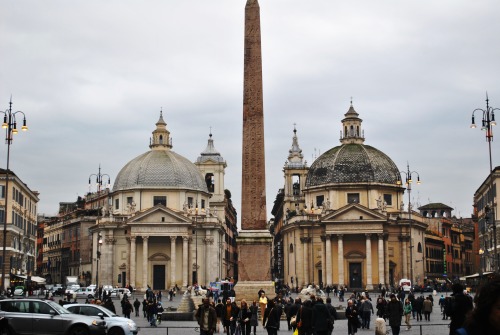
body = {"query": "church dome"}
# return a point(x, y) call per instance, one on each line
point(160, 167)
point(353, 161)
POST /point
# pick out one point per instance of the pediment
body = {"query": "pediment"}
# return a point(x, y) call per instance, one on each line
point(159, 257)
point(353, 212)
point(159, 215)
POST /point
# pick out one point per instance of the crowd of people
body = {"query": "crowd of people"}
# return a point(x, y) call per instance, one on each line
point(316, 316)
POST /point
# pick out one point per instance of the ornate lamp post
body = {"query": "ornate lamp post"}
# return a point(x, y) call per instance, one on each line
point(408, 175)
point(487, 122)
point(10, 126)
point(98, 179)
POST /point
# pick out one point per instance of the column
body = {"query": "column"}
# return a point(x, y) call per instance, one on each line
point(185, 262)
point(404, 260)
point(306, 259)
point(328, 260)
point(145, 262)
point(369, 284)
point(172, 261)
point(133, 261)
point(323, 260)
point(127, 273)
point(341, 259)
point(381, 259)
point(386, 246)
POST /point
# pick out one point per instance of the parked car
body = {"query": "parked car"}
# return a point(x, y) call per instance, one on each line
point(120, 292)
point(116, 325)
point(36, 316)
point(87, 292)
point(19, 290)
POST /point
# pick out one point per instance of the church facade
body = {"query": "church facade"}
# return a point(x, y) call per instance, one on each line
point(164, 223)
point(342, 221)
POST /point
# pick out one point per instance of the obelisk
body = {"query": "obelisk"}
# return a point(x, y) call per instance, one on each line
point(254, 241)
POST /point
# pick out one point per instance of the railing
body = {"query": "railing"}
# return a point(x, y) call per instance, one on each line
point(196, 329)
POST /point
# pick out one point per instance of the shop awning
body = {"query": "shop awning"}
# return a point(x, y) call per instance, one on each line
point(38, 280)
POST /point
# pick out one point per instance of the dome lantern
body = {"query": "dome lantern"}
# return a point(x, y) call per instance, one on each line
point(351, 124)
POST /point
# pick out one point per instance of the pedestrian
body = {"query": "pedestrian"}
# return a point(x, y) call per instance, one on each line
point(145, 308)
point(254, 322)
point(394, 312)
point(206, 317)
point(137, 305)
point(271, 319)
point(262, 304)
point(152, 313)
point(419, 304)
point(127, 307)
point(366, 311)
point(294, 311)
point(244, 316)
point(286, 309)
point(109, 305)
point(458, 306)
point(427, 308)
point(219, 311)
point(230, 315)
point(381, 303)
point(407, 311)
point(159, 312)
point(320, 317)
point(333, 315)
point(352, 315)
point(485, 317)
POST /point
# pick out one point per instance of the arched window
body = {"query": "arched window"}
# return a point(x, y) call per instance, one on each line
point(419, 247)
point(291, 248)
point(161, 139)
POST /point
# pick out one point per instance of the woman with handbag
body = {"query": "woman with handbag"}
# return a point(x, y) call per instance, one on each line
point(271, 319)
point(304, 318)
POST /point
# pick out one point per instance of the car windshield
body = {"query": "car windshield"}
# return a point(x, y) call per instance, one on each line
point(58, 308)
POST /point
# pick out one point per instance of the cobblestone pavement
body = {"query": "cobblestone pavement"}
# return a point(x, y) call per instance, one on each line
point(436, 326)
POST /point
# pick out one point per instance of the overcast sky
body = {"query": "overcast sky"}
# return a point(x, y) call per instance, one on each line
point(91, 77)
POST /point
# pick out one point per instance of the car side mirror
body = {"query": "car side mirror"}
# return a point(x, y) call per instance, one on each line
point(101, 315)
point(52, 312)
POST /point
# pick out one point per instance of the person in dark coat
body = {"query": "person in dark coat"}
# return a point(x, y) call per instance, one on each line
point(244, 317)
point(229, 317)
point(109, 305)
point(485, 318)
point(254, 319)
point(271, 318)
point(419, 304)
point(460, 305)
point(304, 315)
point(320, 317)
point(352, 315)
point(394, 310)
point(206, 317)
point(333, 315)
point(294, 310)
point(137, 305)
point(286, 309)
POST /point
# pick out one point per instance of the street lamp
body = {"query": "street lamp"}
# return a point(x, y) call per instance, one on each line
point(98, 257)
point(408, 175)
point(487, 122)
point(10, 126)
point(98, 180)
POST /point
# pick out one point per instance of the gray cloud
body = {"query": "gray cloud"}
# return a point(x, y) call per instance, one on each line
point(92, 77)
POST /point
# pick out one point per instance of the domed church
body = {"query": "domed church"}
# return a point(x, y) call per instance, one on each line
point(164, 221)
point(341, 221)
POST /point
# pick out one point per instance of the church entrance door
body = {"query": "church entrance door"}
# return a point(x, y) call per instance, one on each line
point(355, 275)
point(158, 277)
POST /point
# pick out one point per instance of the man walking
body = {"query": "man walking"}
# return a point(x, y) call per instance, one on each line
point(394, 313)
point(206, 317)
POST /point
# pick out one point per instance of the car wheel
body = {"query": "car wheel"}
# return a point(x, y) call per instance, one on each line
point(78, 330)
point(115, 331)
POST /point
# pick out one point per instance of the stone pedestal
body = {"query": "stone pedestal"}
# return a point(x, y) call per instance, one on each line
point(254, 269)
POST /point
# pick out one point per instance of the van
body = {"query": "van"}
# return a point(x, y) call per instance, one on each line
point(405, 284)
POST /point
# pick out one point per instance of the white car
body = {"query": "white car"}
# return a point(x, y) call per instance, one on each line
point(116, 325)
point(120, 292)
